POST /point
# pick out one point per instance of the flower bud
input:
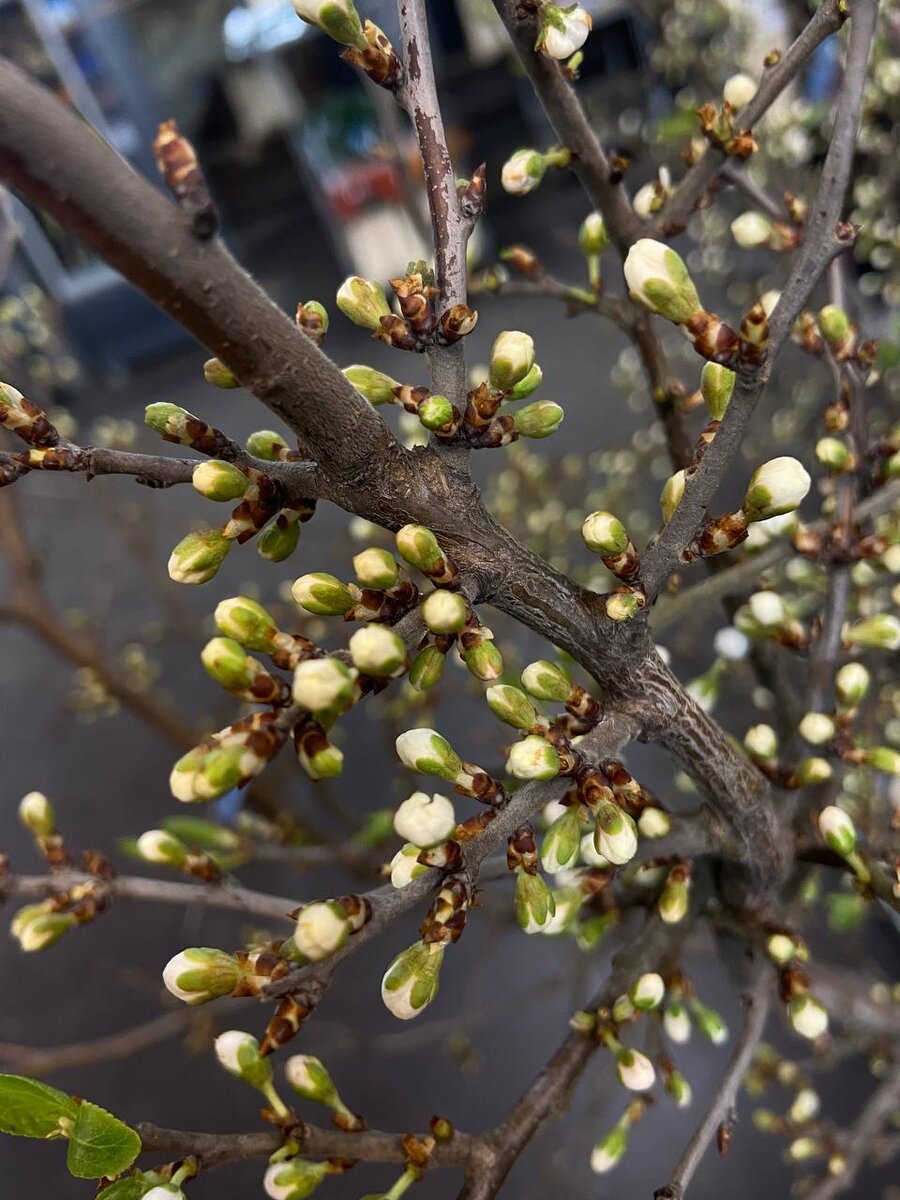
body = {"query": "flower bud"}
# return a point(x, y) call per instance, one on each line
point(658, 279)
point(807, 1016)
point(767, 609)
point(296, 1178)
point(546, 681)
point(534, 902)
point(512, 357)
point(880, 632)
point(435, 412)
point(882, 758)
point(238, 1053)
point(670, 496)
point(812, 771)
point(338, 18)
point(739, 90)
point(267, 444)
point(592, 236)
point(198, 556)
point(405, 866)
point(751, 230)
point(834, 454)
point(679, 1089)
point(419, 547)
point(538, 420)
point(781, 948)
point(426, 751)
point(322, 594)
point(323, 685)
point(563, 30)
point(425, 820)
point(426, 669)
point(411, 981)
point(647, 992)
point(36, 929)
point(610, 1150)
point(709, 1022)
point(604, 534)
point(165, 1191)
point(36, 814)
point(511, 706)
point(317, 756)
point(247, 622)
point(377, 650)
point(532, 758)
point(309, 1078)
point(761, 741)
point(160, 846)
point(677, 1023)
point(228, 664)
point(522, 172)
point(363, 302)
point(635, 1070)
point(851, 684)
point(374, 386)
point(615, 833)
point(674, 898)
point(376, 568)
point(201, 973)
point(816, 728)
point(624, 605)
point(444, 612)
point(482, 657)
point(169, 420)
point(716, 386)
point(218, 480)
point(834, 324)
point(805, 1106)
point(837, 829)
point(561, 842)
point(525, 387)
point(776, 487)
point(321, 929)
point(654, 823)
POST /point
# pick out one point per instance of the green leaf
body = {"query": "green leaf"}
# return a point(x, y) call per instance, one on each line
point(100, 1144)
point(32, 1109)
point(132, 1188)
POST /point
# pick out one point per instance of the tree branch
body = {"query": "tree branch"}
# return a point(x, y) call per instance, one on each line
point(37, 1061)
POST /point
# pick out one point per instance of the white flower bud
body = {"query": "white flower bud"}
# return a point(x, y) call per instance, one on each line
point(218, 480)
point(532, 758)
point(615, 834)
point(510, 705)
point(781, 949)
point(444, 612)
point(160, 846)
point(731, 644)
point(635, 1070)
point(808, 1017)
point(646, 201)
point(817, 728)
point(512, 357)
point(767, 609)
point(592, 235)
point(376, 568)
point(805, 1106)
point(658, 279)
point(522, 172)
point(323, 685)
point(546, 681)
point(709, 1022)
point(751, 230)
point(879, 632)
point(405, 866)
point(377, 650)
point(426, 751)
point(776, 487)
point(814, 770)
point(563, 30)
point(411, 981)
point(837, 829)
point(298, 1177)
point(761, 741)
point(677, 1023)
point(670, 496)
point(166, 1191)
point(425, 820)
point(238, 1053)
point(322, 928)
point(308, 1076)
point(609, 1151)
point(561, 842)
point(604, 533)
point(535, 904)
point(851, 684)
point(739, 90)
point(648, 991)
point(198, 556)
point(654, 823)
point(201, 973)
point(36, 814)
point(363, 302)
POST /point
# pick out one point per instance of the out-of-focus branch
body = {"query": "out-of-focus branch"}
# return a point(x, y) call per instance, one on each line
point(37, 1061)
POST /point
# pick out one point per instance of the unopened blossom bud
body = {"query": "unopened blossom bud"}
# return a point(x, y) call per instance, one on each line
point(751, 230)
point(36, 814)
point(411, 981)
point(623, 1010)
point(812, 771)
point(882, 758)
point(219, 480)
point(834, 324)
point(776, 487)
point(310, 1079)
point(425, 820)
point(654, 823)
point(40, 930)
point(511, 706)
point(851, 684)
point(216, 373)
point(522, 172)
point(546, 681)
point(318, 757)
point(635, 1070)
point(321, 929)
point(168, 420)
point(781, 949)
point(532, 758)
point(767, 609)
point(538, 420)
point(592, 236)
point(444, 612)
point(677, 1023)
point(435, 412)
point(604, 534)
point(670, 496)
point(535, 904)
point(816, 728)
point(238, 1052)
point(160, 846)
point(525, 387)
point(267, 444)
point(426, 668)
point(624, 605)
point(323, 685)
point(658, 279)
point(761, 741)
point(198, 556)
point(247, 622)
point(879, 632)
point(228, 664)
point(834, 454)
point(405, 866)
point(426, 751)
point(375, 386)
point(709, 1022)
point(679, 1089)
point(376, 568)
point(837, 829)
point(563, 30)
point(561, 842)
point(647, 992)
point(296, 1178)
point(739, 90)
point(805, 1106)
point(674, 899)
point(322, 594)
point(482, 657)
point(716, 386)
point(201, 973)
point(419, 547)
point(610, 1150)
point(512, 357)
point(278, 538)
point(377, 650)
point(363, 302)
point(807, 1016)
point(338, 18)
point(615, 833)
point(164, 1191)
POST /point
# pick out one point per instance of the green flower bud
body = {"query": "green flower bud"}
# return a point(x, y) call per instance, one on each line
point(512, 357)
point(812, 771)
point(324, 685)
point(880, 632)
point(615, 833)
point(377, 650)
point(546, 681)
point(206, 774)
point(610, 1150)
point(522, 172)
point(837, 830)
point(532, 758)
point(483, 659)
point(220, 376)
point(679, 1089)
point(445, 612)
point(321, 929)
point(426, 751)
point(535, 904)
point(623, 606)
point(419, 547)
point(363, 302)
point(511, 706)
point(592, 236)
point(851, 684)
point(296, 1178)
point(163, 848)
point(834, 324)
point(716, 386)
point(278, 538)
point(238, 1053)
point(247, 622)
point(427, 668)
point(538, 420)
point(674, 900)
point(561, 842)
point(228, 664)
point(647, 992)
point(807, 1016)
point(322, 594)
point(604, 534)
point(169, 421)
point(326, 761)
point(376, 568)
point(670, 496)
point(340, 20)
point(435, 412)
point(374, 386)
point(267, 444)
point(751, 230)
point(882, 758)
point(411, 981)
point(654, 823)
point(198, 556)
point(832, 453)
point(709, 1022)
point(776, 487)
point(36, 814)
point(527, 386)
point(425, 820)
point(658, 279)
point(816, 728)
point(201, 973)
point(41, 930)
point(309, 1078)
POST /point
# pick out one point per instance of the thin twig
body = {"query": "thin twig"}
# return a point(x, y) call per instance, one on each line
point(37, 1061)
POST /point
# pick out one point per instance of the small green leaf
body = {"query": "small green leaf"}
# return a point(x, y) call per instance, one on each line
point(32, 1109)
point(100, 1144)
point(133, 1188)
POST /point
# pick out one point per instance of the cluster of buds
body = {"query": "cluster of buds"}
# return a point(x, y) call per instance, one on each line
point(718, 125)
point(767, 615)
point(39, 926)
point(228, 759)
point(436, 413)
point(777, 487)
point(525, 169)
point(364, 303)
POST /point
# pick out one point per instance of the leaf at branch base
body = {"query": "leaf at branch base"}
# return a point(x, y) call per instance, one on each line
point(100, 1144)
point(32, 1109)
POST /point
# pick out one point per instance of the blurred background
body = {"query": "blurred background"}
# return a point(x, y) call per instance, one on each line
point(316, 176)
